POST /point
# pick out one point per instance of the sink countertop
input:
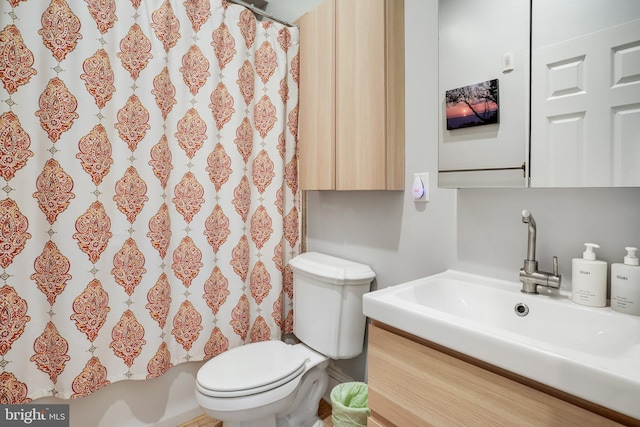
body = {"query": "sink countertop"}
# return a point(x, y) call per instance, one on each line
point(591, 353)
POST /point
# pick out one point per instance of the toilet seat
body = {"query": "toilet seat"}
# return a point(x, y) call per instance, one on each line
point(250, 369)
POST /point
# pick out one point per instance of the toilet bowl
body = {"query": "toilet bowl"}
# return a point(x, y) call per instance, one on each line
point(274, 384)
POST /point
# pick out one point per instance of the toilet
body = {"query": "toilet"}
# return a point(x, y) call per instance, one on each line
point(275, 384)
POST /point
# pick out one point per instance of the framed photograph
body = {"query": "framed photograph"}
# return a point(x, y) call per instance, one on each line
point(473, 105)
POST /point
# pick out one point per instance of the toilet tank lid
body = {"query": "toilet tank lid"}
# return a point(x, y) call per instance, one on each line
point(332, 269)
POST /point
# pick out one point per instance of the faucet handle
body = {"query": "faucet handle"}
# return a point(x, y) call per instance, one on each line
point(555, 266)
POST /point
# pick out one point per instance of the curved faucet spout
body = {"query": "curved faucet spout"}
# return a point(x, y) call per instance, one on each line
point(527, 218)
point(530, 277)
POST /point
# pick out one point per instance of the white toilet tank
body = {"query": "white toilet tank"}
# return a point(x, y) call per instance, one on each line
point(327, 303)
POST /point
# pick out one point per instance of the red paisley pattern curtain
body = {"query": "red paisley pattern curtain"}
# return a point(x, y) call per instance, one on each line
point(149, 203)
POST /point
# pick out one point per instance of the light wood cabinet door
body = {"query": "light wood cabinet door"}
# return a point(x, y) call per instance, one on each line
point(317, 116)
point(351, 121)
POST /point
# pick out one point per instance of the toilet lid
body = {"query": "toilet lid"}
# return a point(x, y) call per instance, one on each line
point(252, 368)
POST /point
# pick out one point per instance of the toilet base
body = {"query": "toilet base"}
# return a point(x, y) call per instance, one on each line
point(300, 409)
point(303, 412)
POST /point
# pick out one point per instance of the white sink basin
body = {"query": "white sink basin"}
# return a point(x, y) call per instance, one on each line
point(592, 353)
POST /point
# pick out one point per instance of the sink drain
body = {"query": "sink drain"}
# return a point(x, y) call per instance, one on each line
point(521, 309)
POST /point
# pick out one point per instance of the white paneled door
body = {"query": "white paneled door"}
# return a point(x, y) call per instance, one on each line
point(585, 105)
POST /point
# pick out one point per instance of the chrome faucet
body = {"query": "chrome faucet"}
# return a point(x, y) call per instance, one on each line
point(530, 277)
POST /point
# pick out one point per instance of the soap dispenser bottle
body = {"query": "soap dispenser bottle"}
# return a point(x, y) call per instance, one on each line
point(625, 284)
point(589, 278)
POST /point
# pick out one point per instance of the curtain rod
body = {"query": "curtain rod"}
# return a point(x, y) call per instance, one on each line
point(261, 12)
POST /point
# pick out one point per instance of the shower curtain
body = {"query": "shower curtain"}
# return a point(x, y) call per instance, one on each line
point(150, 204)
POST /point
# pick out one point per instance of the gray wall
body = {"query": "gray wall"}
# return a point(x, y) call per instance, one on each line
point(290, 10)
point(492, 239)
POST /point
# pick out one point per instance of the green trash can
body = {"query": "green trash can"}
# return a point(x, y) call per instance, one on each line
point(350, 405)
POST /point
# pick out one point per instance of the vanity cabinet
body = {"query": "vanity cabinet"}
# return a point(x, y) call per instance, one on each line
point(351, 117)
point(414, 382)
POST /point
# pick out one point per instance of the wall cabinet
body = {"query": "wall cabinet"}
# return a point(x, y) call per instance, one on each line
point(412, 382)
point(351, 118)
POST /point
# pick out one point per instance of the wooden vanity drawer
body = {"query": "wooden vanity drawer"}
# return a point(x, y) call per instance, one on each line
point(411, 384)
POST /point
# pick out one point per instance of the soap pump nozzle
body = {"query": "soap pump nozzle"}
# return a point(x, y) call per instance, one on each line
point(589, 254)
point(631, 258)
